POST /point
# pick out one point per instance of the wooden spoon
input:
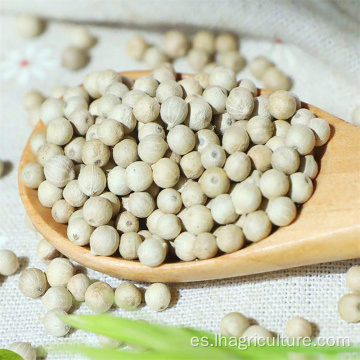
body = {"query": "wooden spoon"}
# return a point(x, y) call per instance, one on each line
point(327, 227)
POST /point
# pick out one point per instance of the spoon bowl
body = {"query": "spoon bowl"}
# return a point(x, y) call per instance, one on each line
point(327, 227)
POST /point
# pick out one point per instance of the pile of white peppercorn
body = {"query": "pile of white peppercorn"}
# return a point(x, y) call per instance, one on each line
point(60, 287)
point(188, 167)
point(204, 52)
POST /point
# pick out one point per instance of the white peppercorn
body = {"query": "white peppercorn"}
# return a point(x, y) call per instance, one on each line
point(33, 99)
point(146, 109)
point(99, 297)
point(229, 238)
point(97, 211)
point(46, 252)
point(92, 180)
point(169, 201)
point(168, 226)
point(260, 156)
point(154, 57)
point(204, 40)
point(223, 77)
point(57, 297)
point(74, 58)
point(349, 308)
point(157, 297)
point(32, 175)
point(117, 181)
point(30, 25)
point(355, 117)
point(183, 246)
point(301, 188)
point(248, 84)
point(233, 60)
point(257, 226)
point(127, 296)
point(105, 78)
point(234, 324)
point(246, 198)
point(281, 211)
point(226, 42)
point(110, 132)
point(49, 194)
point(321, 129)
point(203, 79)
point(118, 89)
point(54, 325)
point(274, 79)
point(108, 342)
point(81, 38)
point(90, 84)
point(254, 178)
point(191, 165)
point(152, 251)
point(175, 43)
point(147, 84)
point(166, 173)
point(216, 97)
point(164, 72)
point(198, 58)
point(205, 137)
point(261, 106)
point(59, 170)
point(223, 210)
point(205, 246)
point(150, 129)
point(274, 183)
point(240, 103)
point(73, 103)
point(275, 142)
point(61, 211)
point(197, 219)
point(301, 138)
point(199, 115)
point(192, 194)
point(106, 103)
point(104, 241)
point(51, 109)
point(77, 285)
point(37, 140)
point(125, 153)
point(59, 272)
point(235, 139)
point(259, 65)
point(255, 333)
point(260, 129)
point(213, 155)
point(73, 195)
point(298, 328)
point(167, 89)
point(174, 111)
point(353, 279)
point(308, 166)
point(25, 350)
point(181, 139)
point(222, 122)
point(238, 166)
point(214, 182)
point(302, 116)
point(73, 150)
point(141, 204)
point(79, 231)
point(129, 245)
point(9, 263)
point(32, 282)
point(282, 105)
point(95, 152)
point(152, 220)
point(47, 151)
point(127, 222)
point(152, 148)
point(136, 47)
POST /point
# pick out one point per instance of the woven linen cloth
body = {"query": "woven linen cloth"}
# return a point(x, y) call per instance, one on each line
point(315, 42)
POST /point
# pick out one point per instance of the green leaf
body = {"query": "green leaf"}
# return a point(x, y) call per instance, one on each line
point(9, 355)
point(174, 343)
